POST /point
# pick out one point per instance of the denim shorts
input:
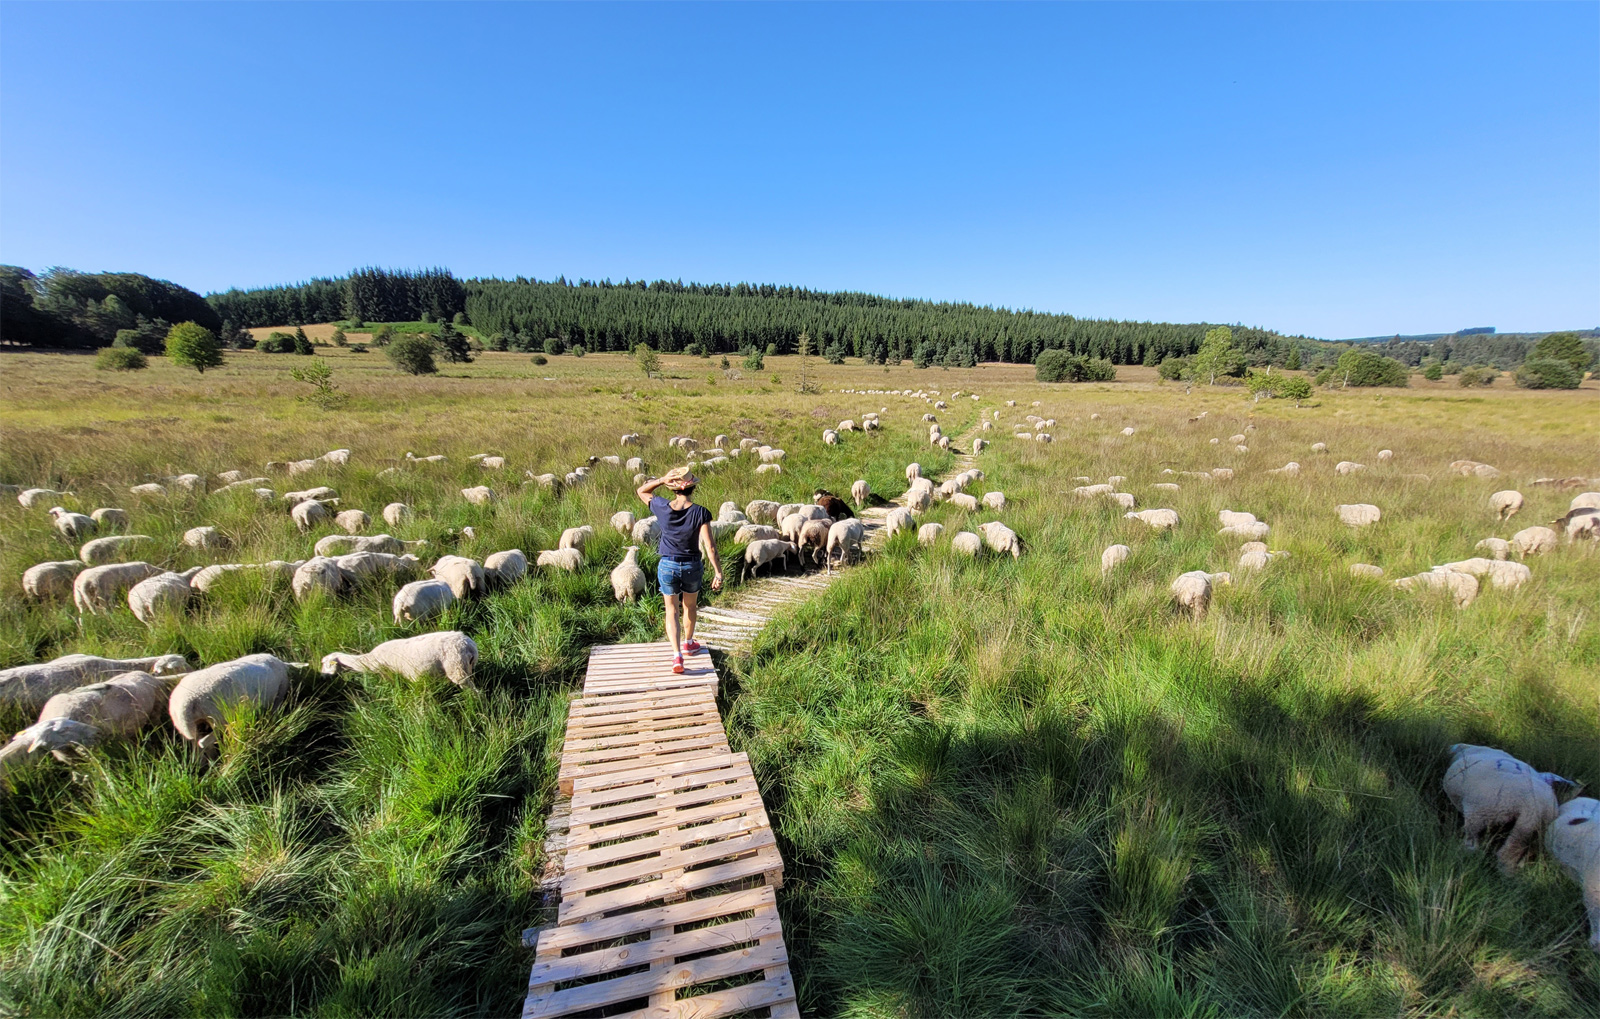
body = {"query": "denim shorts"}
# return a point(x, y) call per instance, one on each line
point(678, 576)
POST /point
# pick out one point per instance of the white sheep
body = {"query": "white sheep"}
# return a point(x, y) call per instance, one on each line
point(322, 493)
point(814, 537)
point(1092, 491)
point(110, 517)
point(1255, 530)
point(1498, 548)
point(360, 567)
point(1581, 523)
point(505, 568)
point(319, 573)
point(1128, 430)
point(628, 579)
point(205, 537)
point(352, 521)
point(845, 537)
point(576, 537)
point(860, 491)
point(343, 544)
point(1228, 518)
point(1502, 575)
point(769, 469)
point(549, 481)
point(772, 456)
point(421, 599)
point(830, 437)
point(630, 439)
point(1291, 468)
point(1192, 591)
point(647, 531)
point(161, 595)
point(897, 520)
point(1165, 486)
point(337, 457)
point(98, 588)
point(1360, 514)
point(31, 686)
point(309, 514)
point(1385, 455)
point(479, 495)
point(148, 490)
point(1001, 538)
point(202, 701)
point(1156, 519)
point(1257, 558)
point(52, 580)
point(929, 533)
point(994, 500)
point(73, 525)
point(1222, 473)
point(1366, 570)
point(1491, 788)
point(1319, 447)
point(208, 577)
point(1585, 500)
point(1112, 557)
point(31, 497)
point(966, 502)
point(1533, 541)
point(1573, 838)
point(762, 511)
point(967, 543)
point(1123, 499)
point(1463, 587)
point(622, 522)
point(762, 553)
point(755, 532)
point(465, 576)
point(913, 471)
point(449, 654)
point(1505, 504)
point(568, 559)
point(1237, 437)
point(119, 706)
point(919, 500)
point(871, 425)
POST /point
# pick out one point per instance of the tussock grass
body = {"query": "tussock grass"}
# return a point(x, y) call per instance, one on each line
point(1002, 787)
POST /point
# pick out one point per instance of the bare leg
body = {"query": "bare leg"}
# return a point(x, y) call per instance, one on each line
point(672, 622)
point(691, 606)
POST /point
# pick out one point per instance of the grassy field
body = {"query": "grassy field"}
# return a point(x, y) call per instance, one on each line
point(1001, 787)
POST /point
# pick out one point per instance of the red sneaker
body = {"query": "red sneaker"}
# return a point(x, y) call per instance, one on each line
point(677, 663)
point(691, 646)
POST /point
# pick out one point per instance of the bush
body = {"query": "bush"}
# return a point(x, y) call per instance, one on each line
point(1296, 388)
point(194, 346)
point(834, 354)
point(356, 323)
point(146, 337)
point(277, 343)
point(578, 350)
point(1433, 372)
point(552, 346)
point(754, 360)
point(1061, 366)
point(697, 350)
point(121, 359)
point(1548, 373)
point(540, 359)
point(302, 343)
point(340, 339)
point(649, 360)
point(724, 365)
point(1368, 368)
point(324, 393)
point(460, 318)
point(1561, 347)
point(453, 346)
point(1173, 368)
point(1325, 376)
point(383, 337)
point(1476, 376)
point(412, 355)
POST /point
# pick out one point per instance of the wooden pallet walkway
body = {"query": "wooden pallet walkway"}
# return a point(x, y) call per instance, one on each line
point(662, 855)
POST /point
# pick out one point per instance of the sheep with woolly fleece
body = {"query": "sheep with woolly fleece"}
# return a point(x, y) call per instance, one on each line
point(164, 594)
point(1156, 519)
point(118, 706)
point(479, 495)
point(871, 425)
point(1092, 491)
point(72, 525)
point(814, 538)
point(502, 569)
point(568, 559)
point(897, 520)
point(769, 469)
point(30, 687)
point(548, 481)
point(1254, 559)
point(1319, 447)
point(309, 514)
point(627, 578)
point(576, 537)
point(1165, 486)
point(1502, 575)
point(1291, 468)
point(343, 544)
point(647, 531)
point(319, 573)
point(1237, 437)
point(1366, 570)
point(1505, 504)
point(967, 543)
point(943, 442)
point(1533, 541)
point(209, 576)
point(789, 527)
point(1045, 437)
point(148, 490)
point(110, 517)
point(1581, 523)
point(1192, 591)
point(465, 576)
point(772, 456)
point(1255, 530)
point(98, 588)
point(1241, 449)
point(436, 458)
point(929, 533)
point(745, 444)
point(322, 493)
point(631, 439)
point(1498, 548)
point(51, 580)
point(421, 599)
point(1491, 789)
point(622, 522)
point(362, 567)
point(755, 532)
point(1359, 514)
point(1123, 499)
point(1573, 839)
point(202, 701)
point(913, 471)
point(1228, 518)
point(1463, 587)
point(31, 497)
point(1001, 538)
point(963, 501)
point(352, 521)
point(845, 537)
point(205, 537)
point(847, 425)
point(860, 491)
point(1128, 430)
point(1112, 557)
point(1385, 455)
point(830, 437)
point(448, 654)
point(1222, 473)
point(1585, 500)
point(919, 500)
point(763, 553)
point(994, 500)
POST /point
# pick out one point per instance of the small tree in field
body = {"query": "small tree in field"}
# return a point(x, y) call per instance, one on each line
point(194, 346)
point(649, 360)
point(302, 342)
point(319, 377)
point(804, 347)
point(1217, 356)
point(1296, 388)
point(412, 354)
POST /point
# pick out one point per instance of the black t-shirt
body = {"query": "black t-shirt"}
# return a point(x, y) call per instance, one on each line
point(680, 529)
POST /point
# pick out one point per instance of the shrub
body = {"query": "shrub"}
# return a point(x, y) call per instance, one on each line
point(1561, 347)
point(552, 346)
point(383, 337)
point(319, 377)
point(460, 318)
point(754, 360)
point(578, 350)
point(772, 350)
point(1263, 384)
point(276, 343)
point(302, 343)
point(724, 365)
point(1296, 388)
point(146, 337)
point(1368, 368)
point(696, 350)
point(1433, 372)
point(1173, 368)
point(120, 359)
point(193, 346)
point(358, 348)
point(356, 323)
point(1476, 376)
point(412, 354)
point(340, 339)
point(834, 354)
point(1548, 373)
point(540, 359)
point(649, 360)
point(1061, 366)
point(453, 346)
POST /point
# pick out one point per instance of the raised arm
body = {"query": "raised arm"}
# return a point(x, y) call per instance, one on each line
point(648, 489)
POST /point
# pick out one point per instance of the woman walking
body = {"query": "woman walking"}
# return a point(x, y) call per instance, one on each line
point(685, 530)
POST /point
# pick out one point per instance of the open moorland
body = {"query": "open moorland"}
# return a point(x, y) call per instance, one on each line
point(1001, 786)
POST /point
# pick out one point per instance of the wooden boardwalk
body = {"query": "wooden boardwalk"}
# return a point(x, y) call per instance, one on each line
point(662, 855)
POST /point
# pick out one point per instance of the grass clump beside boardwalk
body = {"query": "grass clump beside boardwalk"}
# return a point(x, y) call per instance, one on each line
point(1002, 787)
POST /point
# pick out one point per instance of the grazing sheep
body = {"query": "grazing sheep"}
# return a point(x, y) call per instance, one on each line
point(1229, 518)
point(569, 559)
point(1580, 523)
point(814, 537)
point(549, 481)
point(1491, 789)
point(1463, 587)
point(98, 588)
point(1358, 514)
point(762, 511)
point(1128, 430)
point(830, 437)
point(480, 495)
point(161, 595)
point(309, 514)
point(352, 521)
point(994, 500)
point(31, 686)
point(421, 599)
point(1573, 838)
point(745, 444)
point(845, 537)
point(322, 493)
point(1241, 449)
point(1506, 504)
point(503, 569)
point(1123, 499)
point(897, 520)
point(31, 497)
point(913, 471)
point(860, 491)
point(1239, 437)
point(110, 517)
point(631, 439)
point(1165, 486)
point(628, 579)
point(647, 531)
point(772, 456)
point(119, 706)
point(1348, 467)
point(450, 654)
point(1498, 548)
point(360, 567)
point(1319, 447)
point(52, 580)
point(1385, 455)
point(319, 573)
point(1501, 574)
point(343, 544)
point(1192, 591)
point(575, 537)
point(962, 500)
point(919, 500)
point(762, 553)
point(1366, 570)
point(1533, 541)
point(833, 507)
point(1257, 558)
point(755, 532)
point(1255, 530)
point(205, 537)
point(622, 522)
point(73, 525)
point(202, 700)
point(1157, 519)
point(1112, 557)
point(1291, 468)
point(465, 576)
point(769, 469)
point(1585, 500)
point(1001, 538)
point(148, 490)
point(870, 425)
point(208, 577)
point(437, 458)
point(927, 534)
point(1222, 473)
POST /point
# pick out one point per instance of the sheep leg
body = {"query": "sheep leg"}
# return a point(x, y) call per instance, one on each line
point(1591, 903)
point(1476, 823)
point(1519, 844)
point(207, 745)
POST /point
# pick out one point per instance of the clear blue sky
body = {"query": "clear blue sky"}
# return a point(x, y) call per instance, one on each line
point(1337, 170)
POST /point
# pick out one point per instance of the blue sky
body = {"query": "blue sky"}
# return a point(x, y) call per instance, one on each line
point(1336, 170)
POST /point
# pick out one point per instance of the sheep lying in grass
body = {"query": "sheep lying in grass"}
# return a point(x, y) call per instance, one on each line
point(31, 686)
point(52, 580)
point(205, 537)
point(1255, 530)
point(1491, 789)
point(202, 700)
point(119, 706)
point(1505, 504)
point(98, 588)
point(1112, 557)
point(1463, 587)
point(1348, 467)
point(148, 490)
point(627, 578)
point(764, 553)
point(769, 469)
point(1229, 518)
point(1366, 570)
point(72, 525)
point(447, 653)
point(1360, 514)
point(1573, 838)
point(104, 550)
point(1156, 519)
point(1001, 538)
point(1291, 468)
point(845, 538)
point(1498, 548)
point(1502, 575)
point(421, 599)
point(1319, 447)
point(568, 559)
point(1533, 541)
point(1192, 591)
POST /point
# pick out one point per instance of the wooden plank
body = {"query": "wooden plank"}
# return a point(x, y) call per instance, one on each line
point(702, 939)
point(763, 863)
point(637, 985)
point(591, 857)
point(739, 794)
point(654, 781)
point(572, 772)
point(587, 879)
point(610, 928)
point(655, 771)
